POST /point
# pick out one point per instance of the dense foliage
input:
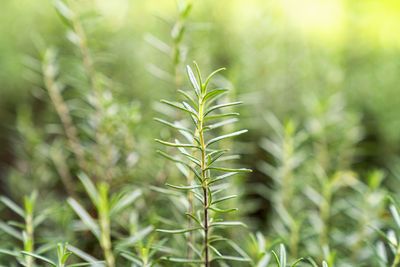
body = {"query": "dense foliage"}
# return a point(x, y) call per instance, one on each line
point(99, 170)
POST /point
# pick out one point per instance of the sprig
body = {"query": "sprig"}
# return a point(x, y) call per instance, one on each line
point(202, 160)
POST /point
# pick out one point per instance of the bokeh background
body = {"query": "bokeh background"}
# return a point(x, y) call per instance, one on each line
point(319, 81)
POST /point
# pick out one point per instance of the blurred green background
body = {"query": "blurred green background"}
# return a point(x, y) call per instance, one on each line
point(331, 62)
point(276, 49)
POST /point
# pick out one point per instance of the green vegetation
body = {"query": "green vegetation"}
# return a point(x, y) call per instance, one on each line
point(115, 150)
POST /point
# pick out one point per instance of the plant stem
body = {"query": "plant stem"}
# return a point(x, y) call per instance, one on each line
point(63, 113)
point(106, 241)
point(29, 244)
point(104, 215)
point(100, 137)
point(325, 214)
point(83, 47)
point(205, 184)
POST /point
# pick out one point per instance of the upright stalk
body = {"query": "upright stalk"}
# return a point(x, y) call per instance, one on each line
point(105, 230)
point(83, 47)
point(325, 214)
point(62, 112)
point(29, 242)
point(28, 235)
point(200, 108)
point(204, 179)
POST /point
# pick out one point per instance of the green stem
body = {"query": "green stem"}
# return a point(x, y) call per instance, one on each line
point(325, 214)
point(104, 215)
point(29, 243)
point(205, 184)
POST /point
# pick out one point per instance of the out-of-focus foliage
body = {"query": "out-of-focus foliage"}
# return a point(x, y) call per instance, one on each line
point(81, 82)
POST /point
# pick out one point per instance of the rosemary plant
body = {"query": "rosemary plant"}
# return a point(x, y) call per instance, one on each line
point(24, 232)
point(176, 49)
point(107, 207)
point(206, 187)
point(63, 254)
point(390, 256)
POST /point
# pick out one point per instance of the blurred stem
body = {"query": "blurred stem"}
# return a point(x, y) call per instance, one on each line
point(64, 172)
point(83, 47)
point(49, 72)
point(29, 239)
point(294, 239)
point(101, 138)
point(177, 34)
point(104, 215)
point(178, 60)
point(325, 214)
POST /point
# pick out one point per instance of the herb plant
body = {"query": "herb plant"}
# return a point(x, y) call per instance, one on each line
point(198, 156)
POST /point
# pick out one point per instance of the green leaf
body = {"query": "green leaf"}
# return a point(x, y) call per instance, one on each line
point(219, 138)
point(195, 219)
point(312, 262)
point(179, 231)
point(176, 144)
point(125, 201)
point(190, 157)
point(187, 96)
point(135, 238)
point(214, 93)
point(13, 206)
point(283, 255)
point(193, 80)
point(222, 106)
point(395, 215)
point(213, 117)
point(229, 170)
point(10, 230)
point(215, 250)
point(9, 252)
point(184, 187)
point(90, 188)
point(296, 262)
point(132, 258)
point(276, 259)
point(157, 43)
point(86, 257)
point(198, 74)
point(211, 75)
point(222, 177)
point(219, 124)
point(172, 125)
point(80, 264)
point(177, 106)
point(222, 210)
point(182, 260)
point(85, 217)
point(64, 12)
point(189, 107)
point(39, 258)
point(171, 158)
point(263, 262)
point(223, 199)
point(216, 155)
point(181, 162)
point(231, 258)
point(227, 223)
